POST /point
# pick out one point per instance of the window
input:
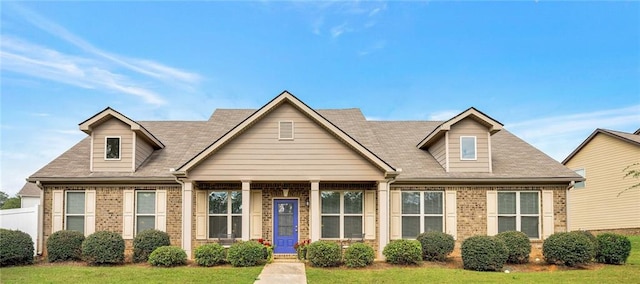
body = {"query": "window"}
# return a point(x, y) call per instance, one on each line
point(468, 148)
point(112, 148)
point(225, 213)
point(422, 211)
point(75, 211)
point(145, 210)
point(519, 211)
point(579, 184)
point(341, 213)
point(285, 130)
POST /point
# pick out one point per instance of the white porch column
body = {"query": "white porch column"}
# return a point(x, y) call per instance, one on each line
point(314, 204)
point(383, 208)
point(187, 216)
point(246, 215)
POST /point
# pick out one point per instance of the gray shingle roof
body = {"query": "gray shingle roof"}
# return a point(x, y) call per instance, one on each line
point(29, 189)
point(393, 141)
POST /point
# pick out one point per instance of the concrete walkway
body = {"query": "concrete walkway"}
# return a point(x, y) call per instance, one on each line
point(282, 272)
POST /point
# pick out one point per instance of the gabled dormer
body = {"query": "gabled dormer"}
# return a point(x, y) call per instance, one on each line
point(118, 143)
point(463, 143)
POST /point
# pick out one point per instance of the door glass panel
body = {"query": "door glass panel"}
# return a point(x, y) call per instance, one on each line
point(285, 219)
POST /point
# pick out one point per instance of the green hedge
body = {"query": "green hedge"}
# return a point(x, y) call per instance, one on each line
point(243, 254)
point(613, 248)
point(16, 248)
point(324, 254)
point(146, 242)
point(403, 252)
point(64, 245)
point(168, 256)
point(484, 253)
point(103, 248)
point(436, 246)
point(359, 255)
point(518, 246)
point(570, 249)
point(210, 254)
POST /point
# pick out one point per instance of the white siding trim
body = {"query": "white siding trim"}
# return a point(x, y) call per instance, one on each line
point(315, 211)
point(89, 212)
point(395, 223)
point(489, 151)
point(492, 213)
point(246, 215)
point(201, 215)
point(161, 210)
point(370, 214)
point(446, 151)
point(451, 225)
point(547, 214)
point(57, 210)
point(133, 154)
point(256, 214)
point(187, 198)
point(383, 210)
point(91, 154)
point(128, 202)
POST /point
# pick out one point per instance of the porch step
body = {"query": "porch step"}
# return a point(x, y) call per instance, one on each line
point(283, 256)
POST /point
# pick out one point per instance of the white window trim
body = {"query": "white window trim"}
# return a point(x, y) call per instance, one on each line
point(66, 207)
point(421, 215)
point(135, 210)
point(292, 130)
point(582, 184)
point(229, 213)
point(341, 214)
point(518, 215)
point(119, 148)
point(475, 149)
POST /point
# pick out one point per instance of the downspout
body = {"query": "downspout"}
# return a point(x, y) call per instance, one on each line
point(40, 219)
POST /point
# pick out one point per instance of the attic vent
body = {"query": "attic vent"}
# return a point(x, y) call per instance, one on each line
point(285, 130)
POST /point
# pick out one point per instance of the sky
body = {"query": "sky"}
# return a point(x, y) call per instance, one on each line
point(551, 72)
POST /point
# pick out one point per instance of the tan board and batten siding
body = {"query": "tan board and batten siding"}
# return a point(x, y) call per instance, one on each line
point(597, 206)
point(469, 127)
point(113, 128)
point(313, 154)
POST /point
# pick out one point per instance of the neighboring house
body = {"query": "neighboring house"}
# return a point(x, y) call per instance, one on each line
point(29, 195)
point(597, 203)
point(287, 172)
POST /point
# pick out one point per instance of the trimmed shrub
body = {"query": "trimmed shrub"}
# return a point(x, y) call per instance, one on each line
point(103, 248)
point(210, 254)
point(168, 256)
point(64, 245)
point(324, 254)
point(484, 253)
point(436, 246)
point(358, 255)
point(242, 254)
point(591, 238)
point(518, 246)
point(16, 248)
point(613, 248)
point(570, 249)
point(403, 252)
point(146, 242)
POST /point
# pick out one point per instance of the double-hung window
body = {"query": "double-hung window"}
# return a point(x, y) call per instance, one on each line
point(112, 148)
point(145, 210)
point(225, 213)
point(519, 211)
point(341, 214)
point(422, 211)
point(75, 211)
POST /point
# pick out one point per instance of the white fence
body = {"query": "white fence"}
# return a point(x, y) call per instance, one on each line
point(23, 219)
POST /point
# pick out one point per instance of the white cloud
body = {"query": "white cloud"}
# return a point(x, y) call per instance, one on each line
point(443, 115)
point(372, 48)
point(338, 30)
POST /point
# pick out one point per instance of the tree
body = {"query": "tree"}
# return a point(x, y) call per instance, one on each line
point(632, 171)
point(3, 198)
point(11, 203)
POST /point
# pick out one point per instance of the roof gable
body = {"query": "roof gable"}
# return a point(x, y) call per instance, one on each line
point(29, 190)
point(623, 136)
point(88, 125)
point(492, 125)
point(305, 109)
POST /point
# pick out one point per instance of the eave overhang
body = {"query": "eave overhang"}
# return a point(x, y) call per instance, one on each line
point(88, 125)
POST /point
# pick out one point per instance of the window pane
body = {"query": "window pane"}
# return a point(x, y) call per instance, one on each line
point(506, 224)
point(468, 147)
point(506, 203)
point(353, 202)
point(330, 227)
point(529, 226)
point(218, 203)
point(285, 219)
point(113, 148)
point(432, 223)
point(579, 184)
point(352, 225)
point(236, 226)
point(146, 203)
point(433, 202)
point(410, 227)
point(411, 203)
point(217, 226)
point(236, 202)
point(75, 223)
point(75, 202)
point(330, 201)
point(145, 223)
point(529, 203)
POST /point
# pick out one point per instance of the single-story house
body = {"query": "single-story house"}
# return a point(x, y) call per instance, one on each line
point(29, 195)
point(602, 202)
point(287, 172)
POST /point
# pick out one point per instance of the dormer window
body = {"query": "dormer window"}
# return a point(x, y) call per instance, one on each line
point(112, 148)
point(468, 148)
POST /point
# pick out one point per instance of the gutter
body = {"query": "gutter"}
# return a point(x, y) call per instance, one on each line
point(102, 179)
point(488, 180)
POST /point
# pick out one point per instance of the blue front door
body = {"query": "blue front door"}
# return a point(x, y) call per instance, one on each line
point(285, 225)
